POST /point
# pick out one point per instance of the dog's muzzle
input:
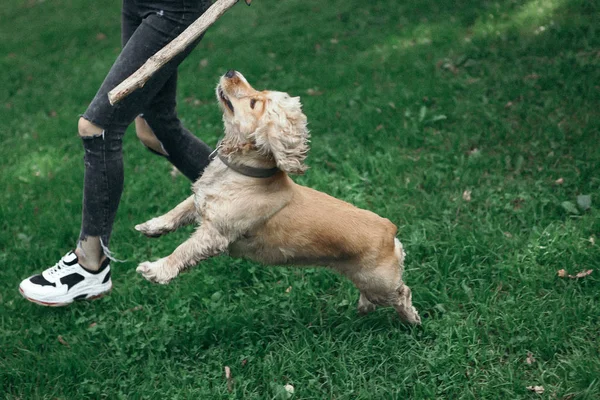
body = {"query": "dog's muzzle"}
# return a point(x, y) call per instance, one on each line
point(224, 98)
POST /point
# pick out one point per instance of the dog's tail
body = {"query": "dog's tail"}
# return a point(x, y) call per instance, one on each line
point(400, 255)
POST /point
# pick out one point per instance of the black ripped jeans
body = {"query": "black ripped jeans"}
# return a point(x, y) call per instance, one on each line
point(147, 26)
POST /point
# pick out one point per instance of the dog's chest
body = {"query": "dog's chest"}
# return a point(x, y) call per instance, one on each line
point(219, 192)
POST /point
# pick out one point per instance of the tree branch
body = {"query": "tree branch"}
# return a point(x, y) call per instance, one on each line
point(163, 56)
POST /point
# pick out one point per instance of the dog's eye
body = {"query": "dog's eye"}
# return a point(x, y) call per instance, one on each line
point(252, 103)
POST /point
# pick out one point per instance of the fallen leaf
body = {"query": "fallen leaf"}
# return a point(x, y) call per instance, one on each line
point(559, 181)
point(508, 105)
point(517, 203)
point(136, 308)
point(313, 92)
point(530, 358)
point(537, 389)
point(244, 362)
point(289, 289)
point(466, 195)
point(93, 325)
point(289, 388)
point(508, 234)
point(203, 62)
point(63, 341)
point(334, 41)
point(229, 379)
point(378, 128)
point(592, 240)
point(581, 274)
point(100, 36)
point(52, 114)
point(474, 151)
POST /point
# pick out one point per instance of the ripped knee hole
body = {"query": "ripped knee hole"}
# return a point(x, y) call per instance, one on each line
point(88, 129)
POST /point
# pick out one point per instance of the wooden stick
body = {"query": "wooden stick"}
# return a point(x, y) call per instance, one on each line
point(163, 56)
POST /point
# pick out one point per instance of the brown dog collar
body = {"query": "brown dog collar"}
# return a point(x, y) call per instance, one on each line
point(250, 171)
point(246, 170)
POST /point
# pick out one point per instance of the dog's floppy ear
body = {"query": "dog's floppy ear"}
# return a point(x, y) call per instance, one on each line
point(284, 134)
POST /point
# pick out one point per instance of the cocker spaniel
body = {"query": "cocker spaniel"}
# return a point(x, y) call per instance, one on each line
point(247, 205)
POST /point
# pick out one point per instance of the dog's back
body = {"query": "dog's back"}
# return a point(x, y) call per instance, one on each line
point(317, 229)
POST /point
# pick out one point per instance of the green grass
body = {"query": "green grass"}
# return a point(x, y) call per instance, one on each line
point(410, 104)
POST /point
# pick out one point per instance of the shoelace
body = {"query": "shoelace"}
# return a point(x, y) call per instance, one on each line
point(57, 267)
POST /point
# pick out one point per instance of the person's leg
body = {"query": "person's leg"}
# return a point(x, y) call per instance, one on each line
point(103, 158)
point(160, 130)
point(102, 128)
point(89, 250)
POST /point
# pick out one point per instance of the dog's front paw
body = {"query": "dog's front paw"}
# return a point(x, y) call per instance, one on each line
point(157, 272)
point(153, 228)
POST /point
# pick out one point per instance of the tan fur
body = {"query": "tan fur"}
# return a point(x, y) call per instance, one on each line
point(274, 220)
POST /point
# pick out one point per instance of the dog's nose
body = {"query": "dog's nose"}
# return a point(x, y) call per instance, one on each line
point(230, 73)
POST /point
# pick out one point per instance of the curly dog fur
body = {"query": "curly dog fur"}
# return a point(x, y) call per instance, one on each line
point(274, 220)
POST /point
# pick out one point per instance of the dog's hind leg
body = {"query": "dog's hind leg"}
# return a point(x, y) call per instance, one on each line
point(382, 285)
point(184, 214)
point(204, 243)
point(364, 305)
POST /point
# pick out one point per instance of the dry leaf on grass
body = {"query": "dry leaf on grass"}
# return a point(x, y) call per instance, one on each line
point(530, 358)
point(63, 341)
point(582, 274)
point(537, 389)
point(229, 379)
point(466, 195)
point(136, 308)
point(559, 181)
point(289, 389)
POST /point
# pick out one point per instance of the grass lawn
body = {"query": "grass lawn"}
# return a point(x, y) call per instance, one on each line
point(472, 125)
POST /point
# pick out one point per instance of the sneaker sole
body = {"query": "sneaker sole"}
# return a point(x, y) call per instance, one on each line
point(50, 304)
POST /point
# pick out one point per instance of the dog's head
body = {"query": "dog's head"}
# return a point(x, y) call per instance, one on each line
point(271, 122)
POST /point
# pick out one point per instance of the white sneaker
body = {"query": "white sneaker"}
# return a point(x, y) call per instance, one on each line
point(65, 282)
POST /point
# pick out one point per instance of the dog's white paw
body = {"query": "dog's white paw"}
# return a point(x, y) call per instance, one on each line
point(157, 272)
point(153, 228)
